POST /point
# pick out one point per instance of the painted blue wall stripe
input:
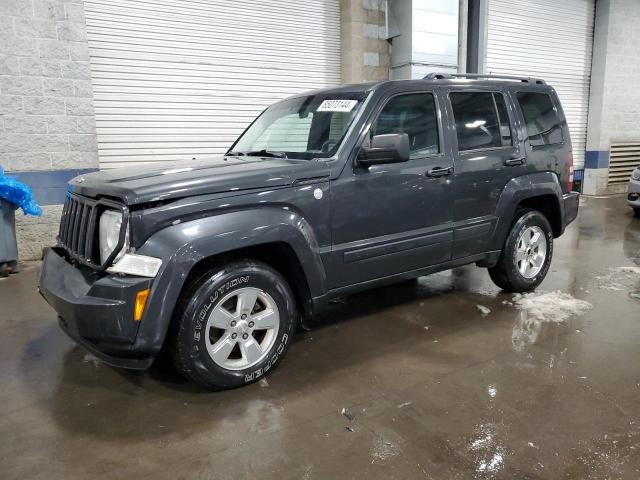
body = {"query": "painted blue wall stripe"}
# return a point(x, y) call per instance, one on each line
point(49, 186)
point(596, 159)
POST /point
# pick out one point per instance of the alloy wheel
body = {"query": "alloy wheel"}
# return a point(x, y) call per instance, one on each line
point(242, 328)
point(531, 251)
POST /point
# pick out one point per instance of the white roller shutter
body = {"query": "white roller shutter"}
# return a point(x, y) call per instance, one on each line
point(174, 80)
point(550, 39)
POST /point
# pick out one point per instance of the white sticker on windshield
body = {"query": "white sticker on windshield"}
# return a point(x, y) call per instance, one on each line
point(337, 105)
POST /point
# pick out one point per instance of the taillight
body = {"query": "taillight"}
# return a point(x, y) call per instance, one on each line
point(570, 171)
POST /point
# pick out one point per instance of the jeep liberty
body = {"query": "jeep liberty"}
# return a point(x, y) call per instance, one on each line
point(326, 193)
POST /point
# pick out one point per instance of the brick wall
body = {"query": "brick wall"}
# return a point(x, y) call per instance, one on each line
point(46, 101)
point(365, 51)
point(621, 97)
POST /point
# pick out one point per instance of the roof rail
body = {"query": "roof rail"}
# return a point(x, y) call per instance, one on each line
point(449, 76)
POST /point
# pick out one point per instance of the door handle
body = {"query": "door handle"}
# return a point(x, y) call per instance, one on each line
point(515, 161)
point(439, 172)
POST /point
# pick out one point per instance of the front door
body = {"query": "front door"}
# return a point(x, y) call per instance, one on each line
point(394, 218)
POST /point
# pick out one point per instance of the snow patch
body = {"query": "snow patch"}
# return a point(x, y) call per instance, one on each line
point(484, 311)
point(614, 280)
point(628, 270)
point(383, 450)
point(487, 451)
point(550, 306)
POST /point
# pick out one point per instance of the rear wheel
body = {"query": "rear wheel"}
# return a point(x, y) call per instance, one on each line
point(526, 256)
point(235, 325)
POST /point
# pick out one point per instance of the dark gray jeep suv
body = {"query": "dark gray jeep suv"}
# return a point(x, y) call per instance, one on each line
point(324, 194)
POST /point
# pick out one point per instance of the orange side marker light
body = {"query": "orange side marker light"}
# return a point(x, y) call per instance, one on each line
point(141, 301)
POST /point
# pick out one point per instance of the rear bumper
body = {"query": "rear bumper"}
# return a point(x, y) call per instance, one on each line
point(95, 310)
point(570, 202)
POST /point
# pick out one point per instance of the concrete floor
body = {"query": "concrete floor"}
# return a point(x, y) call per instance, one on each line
point(499, 396)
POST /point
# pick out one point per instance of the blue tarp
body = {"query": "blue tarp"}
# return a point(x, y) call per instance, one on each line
point(19, 194)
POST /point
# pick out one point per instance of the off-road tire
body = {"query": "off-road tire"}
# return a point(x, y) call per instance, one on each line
point(188, 347)
point(505, 273)
point(636, 212)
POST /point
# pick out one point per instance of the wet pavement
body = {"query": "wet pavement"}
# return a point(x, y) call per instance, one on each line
point(437, 390)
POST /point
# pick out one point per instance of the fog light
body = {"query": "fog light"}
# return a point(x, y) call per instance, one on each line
point(141, 301)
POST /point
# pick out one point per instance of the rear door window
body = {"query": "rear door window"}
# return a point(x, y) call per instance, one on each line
point(541, 118)
point(415, 115)
point(481, 120)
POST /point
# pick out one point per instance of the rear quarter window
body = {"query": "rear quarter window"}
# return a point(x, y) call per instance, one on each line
point(541, 118)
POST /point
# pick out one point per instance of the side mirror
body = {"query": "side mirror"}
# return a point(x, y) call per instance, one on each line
point(387, 148)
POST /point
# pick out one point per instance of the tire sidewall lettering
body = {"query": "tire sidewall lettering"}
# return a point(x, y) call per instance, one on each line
point(271, 363)
point(205, 308)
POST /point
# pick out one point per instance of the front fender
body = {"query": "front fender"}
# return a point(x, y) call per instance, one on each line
point(519, 189)
point(183, 245)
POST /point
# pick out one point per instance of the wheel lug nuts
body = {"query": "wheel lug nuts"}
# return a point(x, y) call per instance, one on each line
point(251, 324)
point(233, 323)
point(245, 336)
point(234, 335)
point(243, 316)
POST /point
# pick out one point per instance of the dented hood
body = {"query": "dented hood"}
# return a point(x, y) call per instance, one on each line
point(135, 185)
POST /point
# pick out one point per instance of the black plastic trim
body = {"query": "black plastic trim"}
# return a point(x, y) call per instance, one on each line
point(94, 223)
point(119, 362)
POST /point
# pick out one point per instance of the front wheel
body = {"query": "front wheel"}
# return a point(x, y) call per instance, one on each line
point(235, 325)
point(636, 212)
point(526, 256)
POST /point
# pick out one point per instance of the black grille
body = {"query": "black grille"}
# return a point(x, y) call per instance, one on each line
point(78, 233)
point(77, 227)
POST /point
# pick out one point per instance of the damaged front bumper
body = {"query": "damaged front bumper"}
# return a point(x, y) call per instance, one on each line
point(95, 310)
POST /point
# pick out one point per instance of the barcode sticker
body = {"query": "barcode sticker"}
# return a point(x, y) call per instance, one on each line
point(337, 106)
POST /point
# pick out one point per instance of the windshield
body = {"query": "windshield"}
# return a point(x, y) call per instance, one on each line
point(303, 127)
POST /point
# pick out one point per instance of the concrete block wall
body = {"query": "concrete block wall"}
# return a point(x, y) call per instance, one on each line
point(614, 101)
point(47, 123)
point(365, 51)
point(424, 37)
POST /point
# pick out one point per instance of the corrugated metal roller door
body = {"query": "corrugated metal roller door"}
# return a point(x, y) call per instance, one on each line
point(176, 80)
point(548, 39)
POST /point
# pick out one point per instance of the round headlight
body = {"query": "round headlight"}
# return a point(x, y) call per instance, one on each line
point(636, 174)
point(110, 225)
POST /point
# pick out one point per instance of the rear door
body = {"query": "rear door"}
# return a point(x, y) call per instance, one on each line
point(546, 132)
point(487, 154)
